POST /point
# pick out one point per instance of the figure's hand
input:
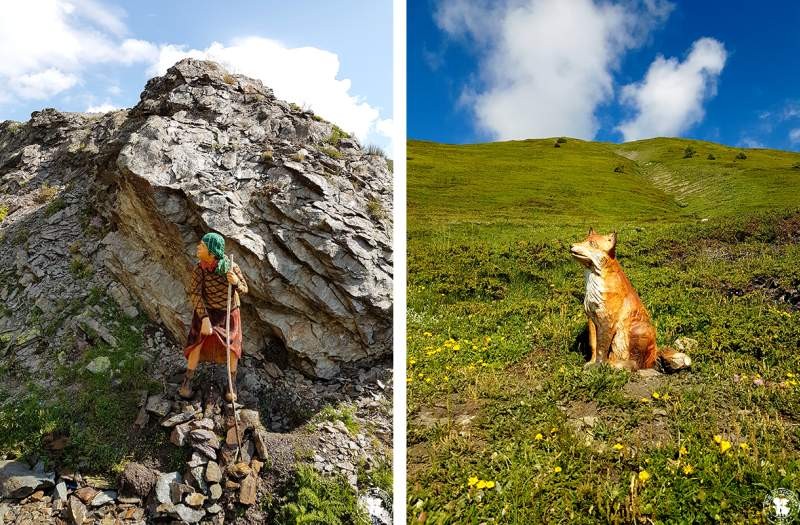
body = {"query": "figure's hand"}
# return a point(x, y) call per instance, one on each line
point(205, 327)
point(232, 278)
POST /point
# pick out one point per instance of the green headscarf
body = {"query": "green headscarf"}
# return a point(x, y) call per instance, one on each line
point(216, 245)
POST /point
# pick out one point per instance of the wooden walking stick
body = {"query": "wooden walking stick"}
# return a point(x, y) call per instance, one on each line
point(228, 358)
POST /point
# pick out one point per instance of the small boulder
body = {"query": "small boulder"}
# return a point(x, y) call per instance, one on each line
point(137, 480)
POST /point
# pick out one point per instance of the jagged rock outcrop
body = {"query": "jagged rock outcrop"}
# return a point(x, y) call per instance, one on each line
point(305, 211)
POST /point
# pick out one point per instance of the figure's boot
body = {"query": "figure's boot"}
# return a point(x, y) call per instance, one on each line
point(228, 392)
point(185, 391)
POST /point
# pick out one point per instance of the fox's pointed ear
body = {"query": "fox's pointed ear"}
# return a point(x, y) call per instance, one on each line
point(591, 230)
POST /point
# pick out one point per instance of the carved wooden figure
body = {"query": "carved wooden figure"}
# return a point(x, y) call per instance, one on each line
point(620, 331)
point(208, 294)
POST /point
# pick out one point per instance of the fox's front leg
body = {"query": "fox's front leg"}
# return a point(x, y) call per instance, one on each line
point(604, 336)
point(593, 341)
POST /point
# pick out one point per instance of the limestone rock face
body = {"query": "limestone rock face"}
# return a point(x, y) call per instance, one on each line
point(305, 211)
point(305, 214)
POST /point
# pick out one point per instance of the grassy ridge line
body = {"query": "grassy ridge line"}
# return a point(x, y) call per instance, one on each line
point(524, 181)
point(531, 181)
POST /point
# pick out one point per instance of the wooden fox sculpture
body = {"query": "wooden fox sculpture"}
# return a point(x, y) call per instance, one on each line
point(620, 331)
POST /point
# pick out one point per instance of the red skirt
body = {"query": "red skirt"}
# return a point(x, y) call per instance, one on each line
point(212, 346)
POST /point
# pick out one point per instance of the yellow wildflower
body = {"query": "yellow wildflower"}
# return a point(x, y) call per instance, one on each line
point(656, 395)
point(683, 451)
point(427, 334)
point(557, 469)
point(688, 469)
point(718, 439)
point(724, 446)
point(644, 400)
point(490, 484)
point(539, 437)
point(554, 430)
point(744, 446)
point(409, 379)
point(618, 446)
point(644, 476)
point(665, 397)
point(472, 480)
point(456, 347)
point(481, 484)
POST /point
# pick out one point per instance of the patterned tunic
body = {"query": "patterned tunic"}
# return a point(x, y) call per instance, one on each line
point(209, 290)
point(208, 293)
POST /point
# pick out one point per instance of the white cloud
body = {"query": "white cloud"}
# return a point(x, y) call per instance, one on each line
point(56, 40)
point(670, 98)
point(105, 107)
point(750, 142)
point(49, 46)
point(794, 136)
point(42, 84)
point(306, 76)
point(546, 65)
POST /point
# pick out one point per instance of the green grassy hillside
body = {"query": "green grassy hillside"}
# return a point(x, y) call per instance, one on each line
point(506, 426)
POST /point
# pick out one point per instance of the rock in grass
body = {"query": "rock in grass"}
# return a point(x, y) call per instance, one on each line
point(158, 405)
point(686, 345)
point(98, 365)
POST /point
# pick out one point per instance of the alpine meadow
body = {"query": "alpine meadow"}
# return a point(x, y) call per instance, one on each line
point(506, 425)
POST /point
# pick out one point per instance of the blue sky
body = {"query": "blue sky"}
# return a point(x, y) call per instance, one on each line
point(729, 71)
point(77, 55)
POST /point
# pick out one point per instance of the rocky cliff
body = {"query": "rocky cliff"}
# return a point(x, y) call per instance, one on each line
point(306, 212)
point(99, 218)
